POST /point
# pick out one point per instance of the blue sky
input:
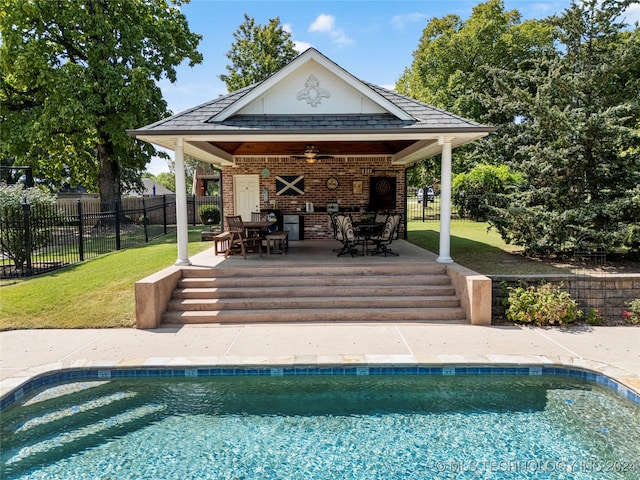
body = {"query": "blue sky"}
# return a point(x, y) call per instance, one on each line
point(372, 39)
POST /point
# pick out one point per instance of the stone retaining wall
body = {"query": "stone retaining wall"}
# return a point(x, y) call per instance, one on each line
point(609, 293)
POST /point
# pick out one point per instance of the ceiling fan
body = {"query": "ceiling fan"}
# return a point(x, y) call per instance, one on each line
point(312, 154)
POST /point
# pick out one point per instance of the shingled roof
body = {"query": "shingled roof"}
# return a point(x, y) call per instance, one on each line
point(271, 111)
point(201, 118)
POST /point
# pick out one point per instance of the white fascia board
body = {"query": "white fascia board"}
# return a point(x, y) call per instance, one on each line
point(431, 148)
point(201, 150)
point(311, 55)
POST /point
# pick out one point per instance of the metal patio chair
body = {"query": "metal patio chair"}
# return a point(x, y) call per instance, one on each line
point(382, 241)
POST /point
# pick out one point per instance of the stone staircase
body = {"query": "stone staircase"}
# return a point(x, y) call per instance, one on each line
point(391, 293)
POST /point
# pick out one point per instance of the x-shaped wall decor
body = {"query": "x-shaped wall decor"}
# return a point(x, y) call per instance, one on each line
point(290, 185)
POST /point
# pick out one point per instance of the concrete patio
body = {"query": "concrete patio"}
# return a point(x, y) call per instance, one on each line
point(612, 351)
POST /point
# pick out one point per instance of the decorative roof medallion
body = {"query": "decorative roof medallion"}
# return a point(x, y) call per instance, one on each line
point(312, 92)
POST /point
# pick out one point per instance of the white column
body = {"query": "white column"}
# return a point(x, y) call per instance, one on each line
point(181, 205)
point(445, 202)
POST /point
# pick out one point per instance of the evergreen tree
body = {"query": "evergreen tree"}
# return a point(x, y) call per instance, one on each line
point(257, 52)
point(450, 66)
point(575, 137)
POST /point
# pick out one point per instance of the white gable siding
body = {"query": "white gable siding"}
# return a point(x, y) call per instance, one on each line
point(282, 99)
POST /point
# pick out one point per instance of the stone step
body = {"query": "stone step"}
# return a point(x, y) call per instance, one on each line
point(409, 314)
point(310, 303)
point(313, 270)
point(329, 292)
point(315, 293)
point(315, 280)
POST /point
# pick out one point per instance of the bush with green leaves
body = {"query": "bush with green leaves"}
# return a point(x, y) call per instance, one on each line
point(474, 190)
point(210, 215)
point(13, 234)
point(543, 305)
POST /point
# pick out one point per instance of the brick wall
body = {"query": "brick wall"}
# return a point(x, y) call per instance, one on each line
point(345, 169)
point(607, 292)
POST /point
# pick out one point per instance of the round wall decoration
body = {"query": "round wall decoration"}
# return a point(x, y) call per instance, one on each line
point(332, 183)
point(383, 187)
point(265, 172)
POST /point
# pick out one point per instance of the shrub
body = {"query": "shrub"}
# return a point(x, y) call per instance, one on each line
point(632, 315)
point(209, 214)
point(543, 305)
point(594, 317)
point(473, 191)
point(13, 234)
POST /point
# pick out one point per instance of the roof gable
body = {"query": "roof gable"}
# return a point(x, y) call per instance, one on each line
point(311, 85)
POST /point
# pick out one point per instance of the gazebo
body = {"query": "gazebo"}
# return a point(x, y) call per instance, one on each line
point(309, 138)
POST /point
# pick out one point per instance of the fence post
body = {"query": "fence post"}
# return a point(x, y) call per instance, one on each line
point(193, 197)
point(164, 212)
point(80, 232)
point(26, 215)
point(144, 221)
point(117, 224)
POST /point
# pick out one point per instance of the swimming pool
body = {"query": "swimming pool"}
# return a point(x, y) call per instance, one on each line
point(344, 422)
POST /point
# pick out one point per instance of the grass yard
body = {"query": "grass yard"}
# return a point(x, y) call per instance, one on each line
point(95, 294)
point(484, 251)
point(478, 248)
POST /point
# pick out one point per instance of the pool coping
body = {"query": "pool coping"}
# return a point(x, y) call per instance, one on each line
point(613, 378)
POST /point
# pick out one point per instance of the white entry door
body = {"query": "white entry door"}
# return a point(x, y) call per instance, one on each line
point(246, 195)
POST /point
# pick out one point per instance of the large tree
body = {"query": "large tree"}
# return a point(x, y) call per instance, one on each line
point(257, 52)
point(76, 74)
point(449, 71)
point(449, 66)
point(576, 138)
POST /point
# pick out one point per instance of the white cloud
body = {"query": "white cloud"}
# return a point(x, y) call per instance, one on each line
point(399, 21)
point(327, 24)
point(301, 46)
point(287, 28)
point(323, 23)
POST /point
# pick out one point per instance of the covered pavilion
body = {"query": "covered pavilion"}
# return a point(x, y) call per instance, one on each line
point(309, 137)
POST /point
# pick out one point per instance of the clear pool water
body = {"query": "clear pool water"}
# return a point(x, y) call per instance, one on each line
point(396, 427)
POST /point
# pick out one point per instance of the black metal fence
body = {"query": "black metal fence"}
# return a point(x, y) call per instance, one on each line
point(426, 207)
point(44, 238)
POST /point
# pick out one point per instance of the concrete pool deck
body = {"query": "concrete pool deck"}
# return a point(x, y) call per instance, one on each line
point(612, 351)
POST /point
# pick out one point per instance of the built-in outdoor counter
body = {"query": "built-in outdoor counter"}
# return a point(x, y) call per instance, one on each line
point(317, 224)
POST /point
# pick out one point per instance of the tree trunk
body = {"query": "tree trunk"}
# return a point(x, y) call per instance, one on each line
point(108, 177)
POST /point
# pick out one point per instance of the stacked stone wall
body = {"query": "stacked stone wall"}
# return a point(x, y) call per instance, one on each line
point(608, 293)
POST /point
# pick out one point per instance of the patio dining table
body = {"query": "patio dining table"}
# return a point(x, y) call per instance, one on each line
point(365, 231)
point(256, 229)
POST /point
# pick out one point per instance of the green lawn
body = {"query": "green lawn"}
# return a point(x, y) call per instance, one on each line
point(97, 293)
point(480, 249)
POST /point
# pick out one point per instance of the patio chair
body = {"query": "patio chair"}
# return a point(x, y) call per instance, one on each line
point(239, 241)
point(381, 217)
point(337, 233)
point(388, 235)
point(346, 235)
